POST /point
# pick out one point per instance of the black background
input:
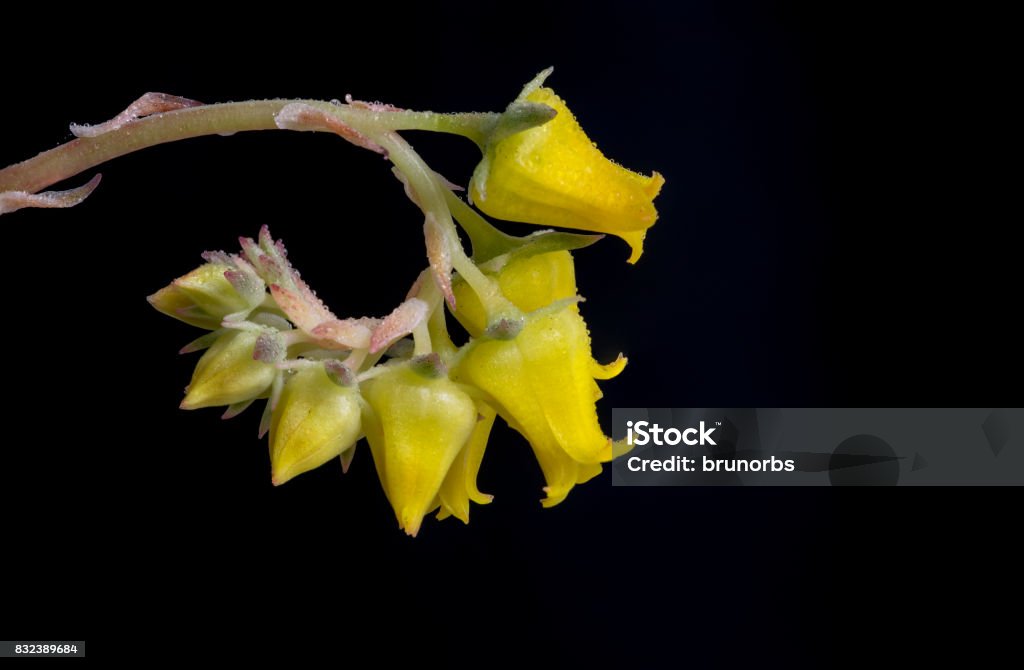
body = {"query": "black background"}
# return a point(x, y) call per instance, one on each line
point(824, 240)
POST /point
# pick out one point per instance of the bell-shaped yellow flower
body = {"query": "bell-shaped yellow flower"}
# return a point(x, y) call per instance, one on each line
point(542, 384)
point(418, 422)
point(229, 373)
point(209, 293)
point(315, 420)
point(542, 379)
point(553, 175)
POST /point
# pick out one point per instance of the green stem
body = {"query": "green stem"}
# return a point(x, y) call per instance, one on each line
point(430, 195)
point(421, 339)
point(434, 337)
point(79, 155)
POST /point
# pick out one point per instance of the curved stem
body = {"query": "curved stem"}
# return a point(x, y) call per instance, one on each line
point(431, 199)
point(80, 154)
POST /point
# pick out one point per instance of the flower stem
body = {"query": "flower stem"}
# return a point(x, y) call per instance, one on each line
point(430, 198)
point(83, 153)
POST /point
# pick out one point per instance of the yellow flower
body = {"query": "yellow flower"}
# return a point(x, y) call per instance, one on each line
point(229, 373)
point(315, 420)
point(553, 175)
point(541, 381)
point(209, 293)
point(419, 422)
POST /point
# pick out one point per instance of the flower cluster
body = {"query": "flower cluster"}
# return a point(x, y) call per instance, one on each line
point(425, 405)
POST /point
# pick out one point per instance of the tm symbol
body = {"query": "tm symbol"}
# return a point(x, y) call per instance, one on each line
point(718, 423)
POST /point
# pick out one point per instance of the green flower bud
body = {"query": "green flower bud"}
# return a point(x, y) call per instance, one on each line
point(228, 373)
point(209, 293)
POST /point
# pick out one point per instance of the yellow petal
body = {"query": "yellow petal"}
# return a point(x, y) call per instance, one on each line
point(560, 472)
point(553, 175)
point(459, 486)
point(529, 282)
point(610, 370)
point(227, 373)
point(419, 426)
point(556, 350)
point(635, 239)
point(537, 281)
point(315, 421)
point(588, 471)
point(475, 453)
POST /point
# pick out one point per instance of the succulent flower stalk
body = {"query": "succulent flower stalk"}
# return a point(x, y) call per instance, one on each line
point(426, 404)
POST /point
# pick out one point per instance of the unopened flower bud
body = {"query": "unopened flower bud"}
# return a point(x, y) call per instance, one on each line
point(315, 420)
point(228, 373)
point(417, 426)
point(209, 293)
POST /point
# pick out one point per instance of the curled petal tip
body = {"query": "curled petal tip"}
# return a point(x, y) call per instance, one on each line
point(635, 240)
point(609, 370)
point(621, 447)
point(553, 496)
